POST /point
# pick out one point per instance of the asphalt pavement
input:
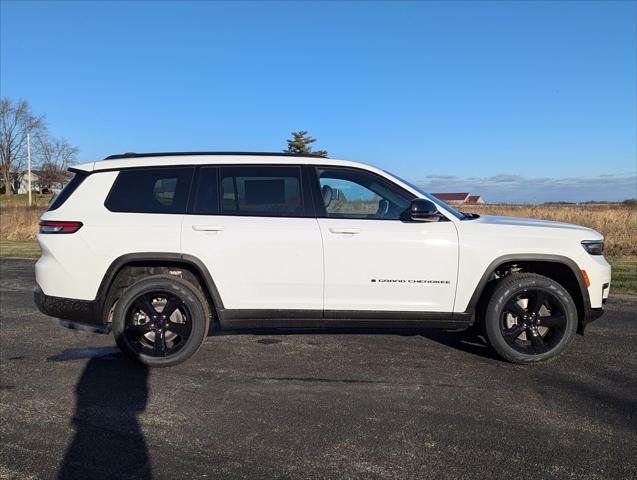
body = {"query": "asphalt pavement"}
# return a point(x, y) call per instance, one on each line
point(336, 405)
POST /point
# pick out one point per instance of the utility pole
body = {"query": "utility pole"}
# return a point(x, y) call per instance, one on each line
point(29, 163)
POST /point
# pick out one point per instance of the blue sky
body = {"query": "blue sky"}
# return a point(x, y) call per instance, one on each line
point(520, 101)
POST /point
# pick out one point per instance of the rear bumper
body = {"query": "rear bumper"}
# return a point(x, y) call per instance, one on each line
point(73, 313)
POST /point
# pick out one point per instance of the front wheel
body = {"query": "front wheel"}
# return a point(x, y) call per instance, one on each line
point(160, 320)
point(530, 318)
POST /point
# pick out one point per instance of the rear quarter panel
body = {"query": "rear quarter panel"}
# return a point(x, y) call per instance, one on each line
point(73, 265)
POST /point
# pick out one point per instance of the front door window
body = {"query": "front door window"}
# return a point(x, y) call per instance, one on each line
point(349, 193)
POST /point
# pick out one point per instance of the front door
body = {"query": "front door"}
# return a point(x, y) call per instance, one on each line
point(374, 261)
point(253, 228)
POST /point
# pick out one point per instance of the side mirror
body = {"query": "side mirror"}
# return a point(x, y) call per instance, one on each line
point(422, 210)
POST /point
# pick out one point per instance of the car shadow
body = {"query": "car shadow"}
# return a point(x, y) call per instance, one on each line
point(108, 441)
point(468, 341)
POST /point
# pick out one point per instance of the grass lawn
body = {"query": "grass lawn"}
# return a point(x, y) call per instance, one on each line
point(23, 199)
point(624, 278)
point(624, 268)
point(19, 248)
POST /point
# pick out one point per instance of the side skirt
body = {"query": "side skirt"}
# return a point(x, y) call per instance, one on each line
point(237, 319)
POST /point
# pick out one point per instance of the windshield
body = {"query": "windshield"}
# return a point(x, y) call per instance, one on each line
point(454, 212)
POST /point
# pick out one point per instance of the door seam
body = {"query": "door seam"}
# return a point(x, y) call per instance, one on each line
point(318, 224)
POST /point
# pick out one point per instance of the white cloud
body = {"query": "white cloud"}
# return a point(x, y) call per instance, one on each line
point(519, 189)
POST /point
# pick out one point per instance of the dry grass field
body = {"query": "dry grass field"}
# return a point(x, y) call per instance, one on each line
point(18, 222)
point(617, 222)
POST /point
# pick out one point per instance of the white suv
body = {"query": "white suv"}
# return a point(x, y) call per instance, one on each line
point(161, 248)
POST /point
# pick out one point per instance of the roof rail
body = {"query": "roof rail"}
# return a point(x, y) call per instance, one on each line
point(179, 154)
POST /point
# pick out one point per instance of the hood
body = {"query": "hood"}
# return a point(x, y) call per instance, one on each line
point(533, 222)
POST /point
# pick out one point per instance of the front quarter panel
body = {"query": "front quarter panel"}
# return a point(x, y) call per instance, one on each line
point(482, 243)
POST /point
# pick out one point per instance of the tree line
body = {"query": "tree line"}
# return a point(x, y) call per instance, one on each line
point(50, 156)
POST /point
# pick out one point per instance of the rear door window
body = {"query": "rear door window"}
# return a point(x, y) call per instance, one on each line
point(151, 190)
point(269, 191)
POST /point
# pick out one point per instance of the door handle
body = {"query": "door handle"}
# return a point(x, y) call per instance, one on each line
point(207, 228)
point(345, 231)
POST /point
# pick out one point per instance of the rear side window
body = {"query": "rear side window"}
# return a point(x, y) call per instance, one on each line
point(151, 190)
point(261, 191)
point(68, 189)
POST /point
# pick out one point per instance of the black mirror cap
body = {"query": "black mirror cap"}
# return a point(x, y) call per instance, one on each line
point(423, 210)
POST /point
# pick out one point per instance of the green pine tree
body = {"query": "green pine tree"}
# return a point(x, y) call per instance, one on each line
point(300, 145)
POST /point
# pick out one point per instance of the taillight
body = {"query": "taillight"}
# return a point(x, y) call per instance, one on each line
point(48, 226)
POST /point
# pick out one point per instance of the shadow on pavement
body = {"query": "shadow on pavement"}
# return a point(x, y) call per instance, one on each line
point(467, 340)
point(599, 393)
point(108, 440)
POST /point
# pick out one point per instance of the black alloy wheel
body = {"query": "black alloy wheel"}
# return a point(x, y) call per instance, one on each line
point(529, 318)
point(533, 322)
point(158, 324)
point(161, 320)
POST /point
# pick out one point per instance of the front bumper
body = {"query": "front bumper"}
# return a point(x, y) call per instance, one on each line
point(73, 313)
point(591, 315)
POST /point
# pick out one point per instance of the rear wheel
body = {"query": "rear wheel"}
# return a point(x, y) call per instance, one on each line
point(530, 318)
point(160, 320)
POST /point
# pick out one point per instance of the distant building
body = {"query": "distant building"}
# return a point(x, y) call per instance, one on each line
point(22, 185)
point(474, 200)
point(452, 198)
point(463, 198)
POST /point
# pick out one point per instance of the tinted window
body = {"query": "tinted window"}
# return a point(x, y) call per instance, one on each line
point(348, 193)
point(207, 198)
point(262, 191)
point(68, 189)
point(151, 190)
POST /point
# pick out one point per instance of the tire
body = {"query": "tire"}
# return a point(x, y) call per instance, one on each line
point(530, 318)
point(142, 330)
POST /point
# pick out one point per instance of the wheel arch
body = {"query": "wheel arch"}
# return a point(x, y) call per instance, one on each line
point(557, 267)
point(155, 262)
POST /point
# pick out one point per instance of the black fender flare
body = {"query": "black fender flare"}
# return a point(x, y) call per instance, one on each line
point(179, 258)
point(532, 257)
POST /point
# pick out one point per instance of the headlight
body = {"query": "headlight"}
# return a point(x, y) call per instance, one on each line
point(594, 247)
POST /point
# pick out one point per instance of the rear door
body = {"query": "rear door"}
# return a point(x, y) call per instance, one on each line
point(254, 228)
point(374, 261)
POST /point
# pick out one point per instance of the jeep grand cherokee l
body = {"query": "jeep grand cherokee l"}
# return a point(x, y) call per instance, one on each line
point(161, 248)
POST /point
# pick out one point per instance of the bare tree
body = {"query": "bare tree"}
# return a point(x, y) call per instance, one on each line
point(16, 121)
point(55, 156)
